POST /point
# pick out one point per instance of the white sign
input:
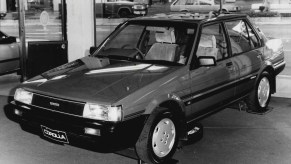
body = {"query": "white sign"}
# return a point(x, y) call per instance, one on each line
point(44, 18)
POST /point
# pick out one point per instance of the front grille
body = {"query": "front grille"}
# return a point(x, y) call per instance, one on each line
point(61, 105)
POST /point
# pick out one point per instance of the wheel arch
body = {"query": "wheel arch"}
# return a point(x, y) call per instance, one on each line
point(179, 113)
point(184, 10)
point(124, 8)
point(175, 105)
point(270, 70)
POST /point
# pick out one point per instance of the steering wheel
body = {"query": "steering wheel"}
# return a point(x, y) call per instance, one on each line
point(138, 55)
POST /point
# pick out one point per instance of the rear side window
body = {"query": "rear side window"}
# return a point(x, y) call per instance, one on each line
point(242, 37)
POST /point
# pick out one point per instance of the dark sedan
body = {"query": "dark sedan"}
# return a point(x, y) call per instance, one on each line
point(152, 80)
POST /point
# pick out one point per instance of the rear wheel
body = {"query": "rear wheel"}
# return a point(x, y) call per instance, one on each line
point(123, 13)
point(259, 98)
point(158, 140)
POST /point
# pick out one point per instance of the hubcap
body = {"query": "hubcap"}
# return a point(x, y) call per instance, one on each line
point(163, 137)
point(263, 91)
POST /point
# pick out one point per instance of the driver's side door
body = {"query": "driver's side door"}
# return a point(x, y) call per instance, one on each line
point(211, 86)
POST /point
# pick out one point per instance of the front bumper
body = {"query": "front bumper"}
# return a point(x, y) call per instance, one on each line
point(140, 12)
point(74, 126)
point(279, 67)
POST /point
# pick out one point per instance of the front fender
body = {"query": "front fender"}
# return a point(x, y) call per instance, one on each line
point(164, 99)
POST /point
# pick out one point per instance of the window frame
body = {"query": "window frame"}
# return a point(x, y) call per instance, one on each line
point(244, 20)
point(220, 23)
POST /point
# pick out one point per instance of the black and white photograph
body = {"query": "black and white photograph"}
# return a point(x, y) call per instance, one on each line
point(145, 81)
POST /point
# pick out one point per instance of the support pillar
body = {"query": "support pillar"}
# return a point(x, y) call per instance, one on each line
point(80, 28)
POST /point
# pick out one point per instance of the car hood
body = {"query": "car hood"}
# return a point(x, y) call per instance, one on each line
point(106, 85)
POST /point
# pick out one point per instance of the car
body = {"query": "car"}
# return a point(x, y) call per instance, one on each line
point(121, 8)
point(9, 54)
point(284, 7)
point(202, 6)
point(2, 15)
point(151, 81)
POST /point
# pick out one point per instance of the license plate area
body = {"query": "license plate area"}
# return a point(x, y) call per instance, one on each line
point(56, 135)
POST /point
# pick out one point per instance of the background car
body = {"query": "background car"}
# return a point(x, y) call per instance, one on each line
point(120, 8)
point(9, 54)
point(2, 15)
point(273, 6)
point(202, 6)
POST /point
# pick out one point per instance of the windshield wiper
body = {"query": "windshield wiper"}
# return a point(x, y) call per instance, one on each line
point(117, 57)
point(161, 62)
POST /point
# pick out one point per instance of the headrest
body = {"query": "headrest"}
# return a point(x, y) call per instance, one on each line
point(207, 41)
point(165, 36)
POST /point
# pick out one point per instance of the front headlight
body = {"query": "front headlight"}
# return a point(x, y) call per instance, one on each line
point(102, 112)
point(23, 96)
point(139, 7)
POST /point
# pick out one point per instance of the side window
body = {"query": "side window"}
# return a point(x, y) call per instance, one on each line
point(242, 37)
point(191, 2)
point(180, 2)
point(212, 42)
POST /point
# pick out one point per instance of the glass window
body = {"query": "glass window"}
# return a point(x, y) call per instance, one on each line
point(192, 2)
point(150, 43)
point(212, 42)
point(242, 37)
point(181, 2)
point(9, 18)
point(43, 20)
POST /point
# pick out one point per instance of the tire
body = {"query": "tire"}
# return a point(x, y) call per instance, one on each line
point(259, 98)
point(158, 140)
point(123, 13)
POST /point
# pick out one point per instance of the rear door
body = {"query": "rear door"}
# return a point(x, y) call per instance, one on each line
point(212, 86)
point(246, 50)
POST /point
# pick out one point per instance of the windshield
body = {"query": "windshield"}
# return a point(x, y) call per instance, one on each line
point(149, 44)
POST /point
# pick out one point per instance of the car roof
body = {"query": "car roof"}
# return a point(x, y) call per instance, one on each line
point(189, 17)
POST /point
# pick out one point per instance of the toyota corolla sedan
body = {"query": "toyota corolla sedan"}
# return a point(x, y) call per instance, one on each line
point(9, 54)
point(151, 80)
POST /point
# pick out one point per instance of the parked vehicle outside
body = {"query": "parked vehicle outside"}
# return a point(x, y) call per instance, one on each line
point(122, 8)
point(2, 15)
point(202, 6)
point(3, 11)
point(272, 6)
point(9, 54)
point(151, 81)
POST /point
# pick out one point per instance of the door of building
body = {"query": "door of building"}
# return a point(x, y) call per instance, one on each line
point(43, 35)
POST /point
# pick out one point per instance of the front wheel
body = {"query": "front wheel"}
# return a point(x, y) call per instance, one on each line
point(123, 13)
point(158, 140)
point(259, 98)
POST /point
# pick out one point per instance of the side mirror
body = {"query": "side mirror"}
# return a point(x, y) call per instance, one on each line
point(92, 50)
point(207, 61)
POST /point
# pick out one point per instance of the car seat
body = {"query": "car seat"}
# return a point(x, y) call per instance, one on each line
point(165, 47)
point(207, 46)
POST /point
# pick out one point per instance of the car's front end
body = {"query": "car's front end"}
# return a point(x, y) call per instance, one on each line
point(68, 121)
point(140, 9)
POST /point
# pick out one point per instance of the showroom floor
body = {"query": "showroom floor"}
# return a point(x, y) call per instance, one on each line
point(230, 136)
